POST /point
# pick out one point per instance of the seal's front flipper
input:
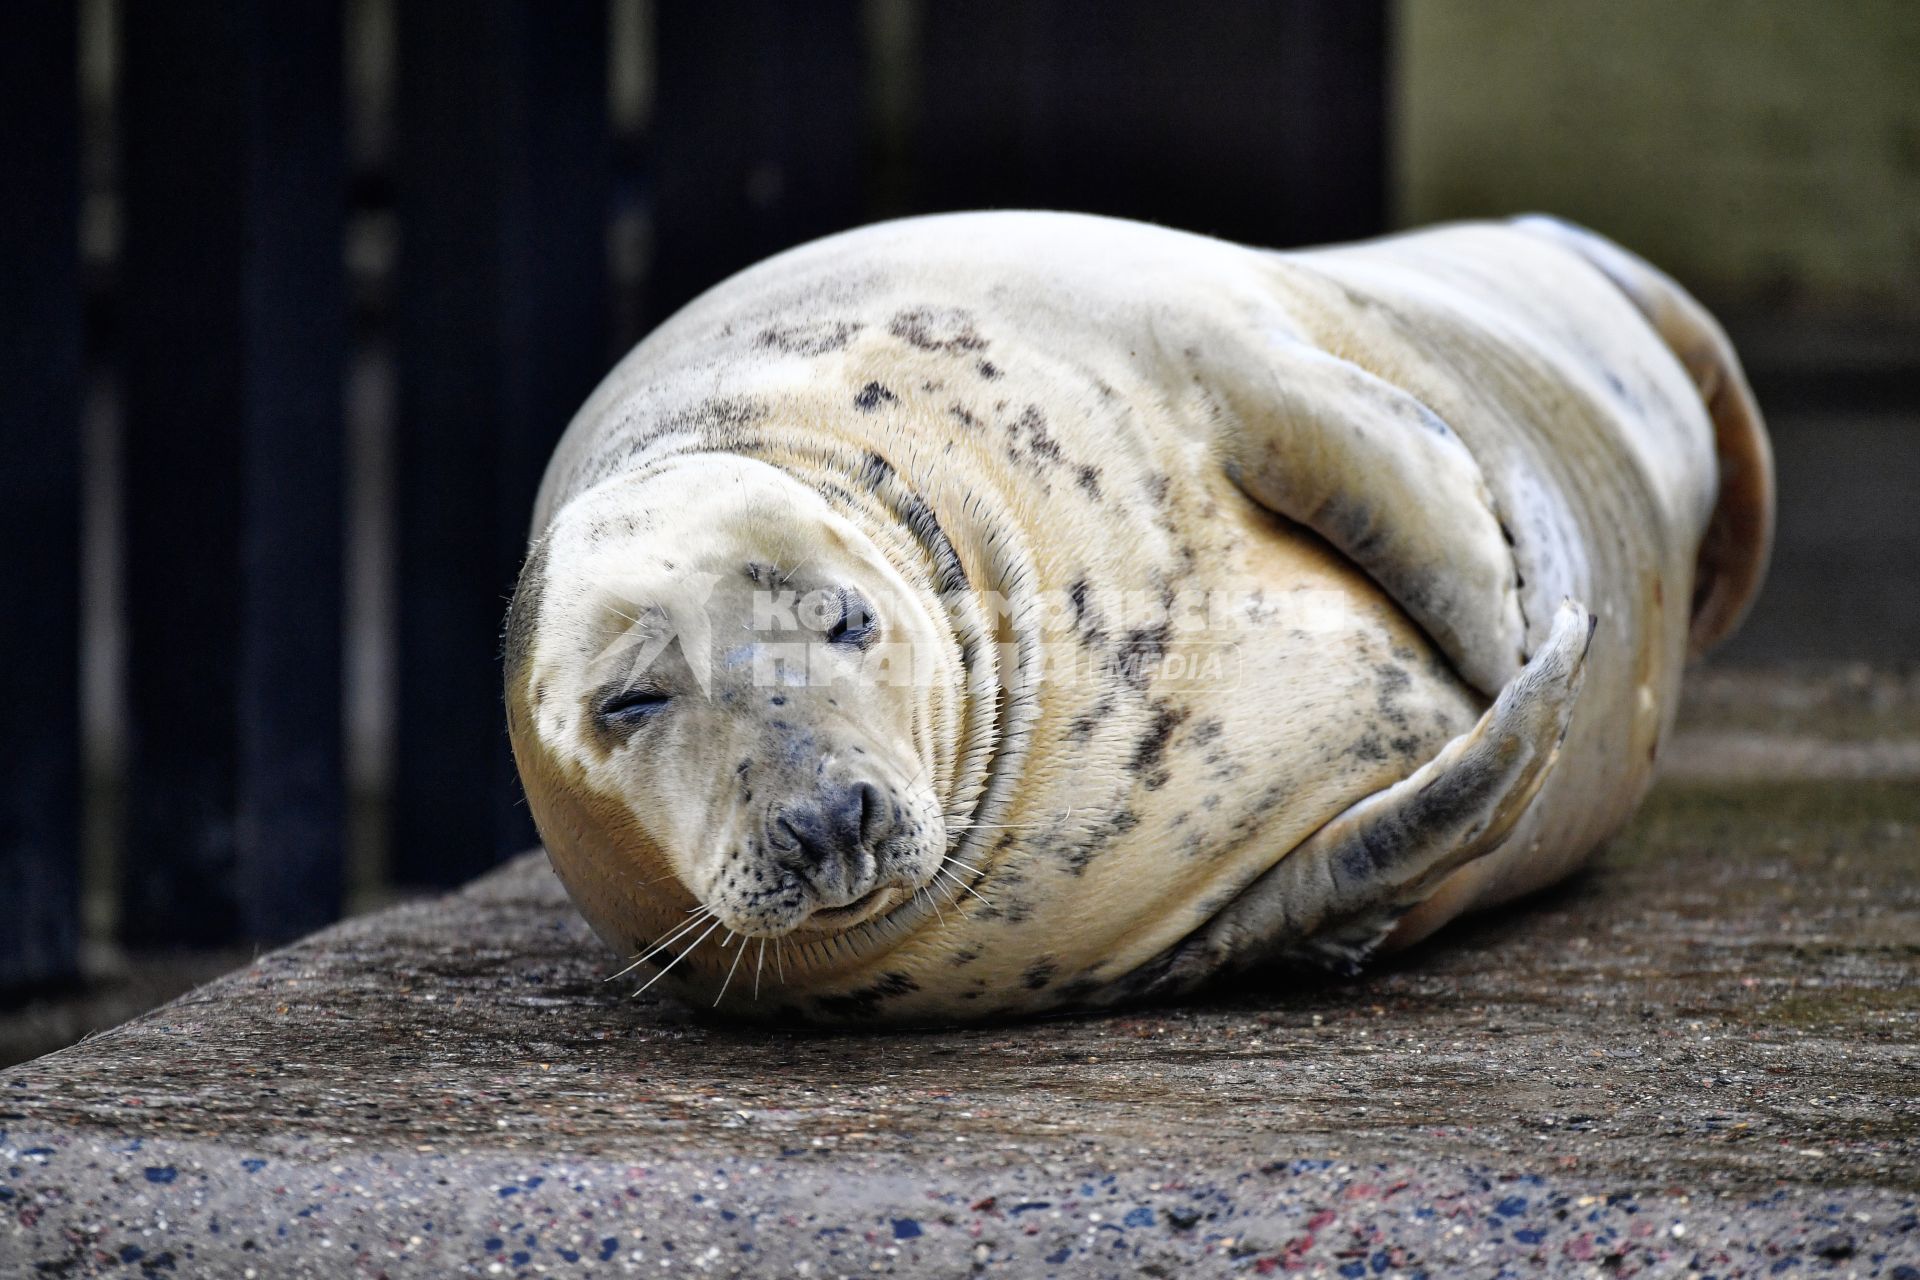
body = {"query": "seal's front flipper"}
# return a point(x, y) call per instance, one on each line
point(1332, 899)
point(1378, 474)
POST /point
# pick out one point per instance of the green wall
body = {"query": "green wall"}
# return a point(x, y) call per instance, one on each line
point(1760, 149)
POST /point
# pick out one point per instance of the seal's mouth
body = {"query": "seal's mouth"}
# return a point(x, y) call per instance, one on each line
point(836, 918)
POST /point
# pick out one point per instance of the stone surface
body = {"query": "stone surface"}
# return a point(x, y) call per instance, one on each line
point(1703, 1056)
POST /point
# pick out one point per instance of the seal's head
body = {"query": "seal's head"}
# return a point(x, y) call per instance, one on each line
point(722, 692)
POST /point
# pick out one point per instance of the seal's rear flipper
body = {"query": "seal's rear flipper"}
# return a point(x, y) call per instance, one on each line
point(1739, 536)
point(1332, 899)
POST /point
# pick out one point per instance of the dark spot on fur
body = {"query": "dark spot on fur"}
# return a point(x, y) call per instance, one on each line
point(1082, 727)
point(1394, 681)
point(1089, 479)
point(1086, 619)
point(945, 329)
point(721, 422)
point(810, 339)
point(1619, 389)
point(1039, 973)
point(1140, 649)
point(989, 370)
point(1369, 748)
point(1152, 745)
point(1039, 442)
point(864, 1002)
point(872, 396)
point(1078, 855)
point(959, 414)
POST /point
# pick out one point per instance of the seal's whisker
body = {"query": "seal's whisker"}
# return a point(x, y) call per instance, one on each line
point(730, 971)
point(758, 965)
point(780, 958)
point(665, 945)
point(934, 903)
point(669, 940)
point(963, 884)
point(972, 892)
point(954, 900)
point(640, 957)
point(623, 972)
point(677, 959)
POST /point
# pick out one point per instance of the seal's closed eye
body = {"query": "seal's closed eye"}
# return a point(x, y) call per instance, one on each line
point(633, 706)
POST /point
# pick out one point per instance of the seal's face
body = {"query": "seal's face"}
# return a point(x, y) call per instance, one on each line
point(734, 682)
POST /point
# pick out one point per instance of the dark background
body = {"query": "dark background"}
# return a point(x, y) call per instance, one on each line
point(298, 294)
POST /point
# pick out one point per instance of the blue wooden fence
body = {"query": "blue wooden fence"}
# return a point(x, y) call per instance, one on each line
point(1257, 119)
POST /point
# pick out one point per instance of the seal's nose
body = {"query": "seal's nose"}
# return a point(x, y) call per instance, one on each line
point(834, 831)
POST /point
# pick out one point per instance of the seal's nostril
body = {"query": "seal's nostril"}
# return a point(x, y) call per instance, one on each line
point(872, 813)
point(801, 832)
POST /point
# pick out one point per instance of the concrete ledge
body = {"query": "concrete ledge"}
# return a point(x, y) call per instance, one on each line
point(1700, 1057)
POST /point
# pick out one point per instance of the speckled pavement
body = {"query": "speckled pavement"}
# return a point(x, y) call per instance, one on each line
point(1703, 1058)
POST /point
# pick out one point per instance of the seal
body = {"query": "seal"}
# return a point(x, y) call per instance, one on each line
point(993, 613)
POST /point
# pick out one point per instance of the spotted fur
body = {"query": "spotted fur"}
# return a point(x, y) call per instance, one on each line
point(1446, 483)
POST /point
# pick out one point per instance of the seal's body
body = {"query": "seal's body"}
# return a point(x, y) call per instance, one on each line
point(1181, 606)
